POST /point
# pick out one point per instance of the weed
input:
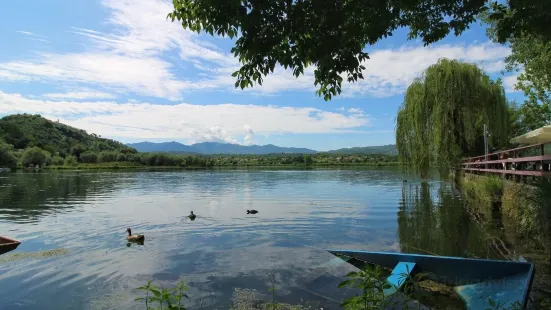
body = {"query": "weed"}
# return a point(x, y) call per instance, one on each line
point(169, 299)
point(273, 289)
point(372, 284)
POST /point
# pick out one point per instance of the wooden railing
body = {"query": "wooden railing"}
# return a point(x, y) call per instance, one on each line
point(518, 163)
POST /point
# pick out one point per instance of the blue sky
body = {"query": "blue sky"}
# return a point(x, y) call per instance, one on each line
point(118, 68)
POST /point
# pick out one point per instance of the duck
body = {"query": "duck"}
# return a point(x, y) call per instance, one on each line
point(252, 212)
point(135, 238)
point(192, 216)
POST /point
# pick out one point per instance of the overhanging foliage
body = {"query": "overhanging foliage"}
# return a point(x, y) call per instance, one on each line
point(442, 116)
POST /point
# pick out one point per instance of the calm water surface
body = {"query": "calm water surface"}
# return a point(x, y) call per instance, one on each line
point(300, 213)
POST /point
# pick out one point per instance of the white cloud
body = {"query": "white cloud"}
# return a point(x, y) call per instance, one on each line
point(355, 111)
point(12, 76)
point(33, 36)
point(131, 57)
point(249, 135)
point(80, 95)
point(221, 122)
point(146, 76)
point(389, 72)
point(213, 134)
point(30, 34)
point(509, 83)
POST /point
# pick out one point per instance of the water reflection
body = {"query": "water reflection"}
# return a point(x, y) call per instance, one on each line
point(26, 197)
point(301, 213)
point(434, 219)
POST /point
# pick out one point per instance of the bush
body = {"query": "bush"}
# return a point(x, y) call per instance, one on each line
point(34, 156)
point(308, 159)
point(7, 159)
point(70, 160)
point(78, 149)
point(88, 157)
point(134, 158)
point(121, 157)
point(107, 157)
point(57, 161)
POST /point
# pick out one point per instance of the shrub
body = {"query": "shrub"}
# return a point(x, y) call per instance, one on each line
point(107, 157)
point(89, 157)
point(56, 160)
point(121, 157)
point(7, 159)
point(70, 160)
point(34, 156)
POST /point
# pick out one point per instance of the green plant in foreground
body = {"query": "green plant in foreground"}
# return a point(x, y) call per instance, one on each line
point(371, 282)
point(169, 299)
point(273, 289)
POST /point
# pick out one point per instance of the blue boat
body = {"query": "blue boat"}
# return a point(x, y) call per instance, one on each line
point(475, 280)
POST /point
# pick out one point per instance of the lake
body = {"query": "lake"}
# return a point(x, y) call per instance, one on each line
point(84, 215)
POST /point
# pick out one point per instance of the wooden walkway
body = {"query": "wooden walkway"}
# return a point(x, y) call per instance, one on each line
point(518, 164)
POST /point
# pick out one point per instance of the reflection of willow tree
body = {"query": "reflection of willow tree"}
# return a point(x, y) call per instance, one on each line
point(24, 197)
point(442, 228)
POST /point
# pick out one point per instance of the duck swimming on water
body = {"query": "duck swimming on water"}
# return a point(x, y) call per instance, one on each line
point(135, 238)
point(252, 212)
point(192, 216)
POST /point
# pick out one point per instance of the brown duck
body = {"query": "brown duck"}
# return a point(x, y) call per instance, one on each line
point(134, 237)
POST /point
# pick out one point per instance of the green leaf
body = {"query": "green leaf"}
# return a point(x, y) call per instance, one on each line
point(155, 292)
point(345, 283)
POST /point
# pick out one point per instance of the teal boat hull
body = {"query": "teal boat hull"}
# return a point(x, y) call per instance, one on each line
point(475, 280)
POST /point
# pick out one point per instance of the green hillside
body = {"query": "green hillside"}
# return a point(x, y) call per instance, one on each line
point(22, 132)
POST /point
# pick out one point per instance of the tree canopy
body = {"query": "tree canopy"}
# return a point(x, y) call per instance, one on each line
point(331, 34)
point(530, 56)
point(443, 113)
point(528, 116)
point(520, 18)
point(530, 50)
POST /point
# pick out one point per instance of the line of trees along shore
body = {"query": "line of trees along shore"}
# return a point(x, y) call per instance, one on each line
point(30, 140)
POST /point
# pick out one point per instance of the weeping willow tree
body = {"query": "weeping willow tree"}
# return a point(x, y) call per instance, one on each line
point(442, 117)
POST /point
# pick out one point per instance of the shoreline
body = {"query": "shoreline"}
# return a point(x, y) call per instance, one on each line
point(122, 165)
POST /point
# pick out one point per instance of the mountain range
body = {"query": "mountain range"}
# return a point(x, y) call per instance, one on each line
point(210, 148)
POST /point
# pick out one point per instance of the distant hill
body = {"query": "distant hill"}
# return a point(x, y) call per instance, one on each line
point(26, 130)
point(210, 148)
point(389, 149)
point(169, 147)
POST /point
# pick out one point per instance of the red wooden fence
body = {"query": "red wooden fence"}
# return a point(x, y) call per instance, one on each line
point(522, 162)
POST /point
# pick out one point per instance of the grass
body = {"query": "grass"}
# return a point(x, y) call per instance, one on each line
point(526, 208)
point(485, 190)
